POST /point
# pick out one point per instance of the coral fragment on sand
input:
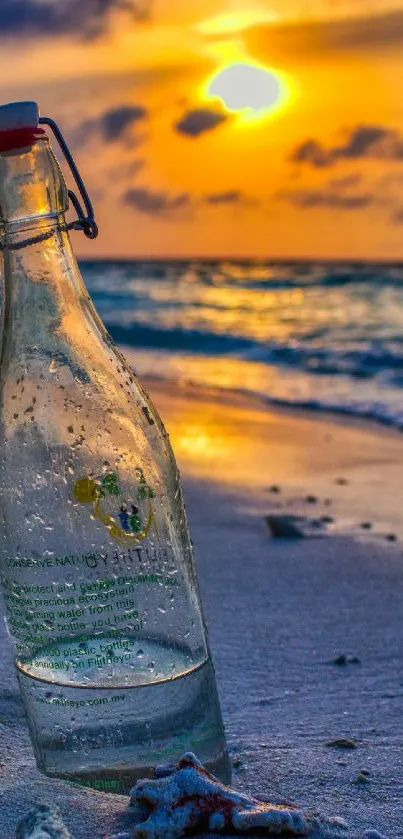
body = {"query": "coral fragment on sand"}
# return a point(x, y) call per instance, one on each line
point(189, 799)
point(42, 822)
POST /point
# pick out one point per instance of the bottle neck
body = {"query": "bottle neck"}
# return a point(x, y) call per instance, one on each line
point(46, 306)
point(51, 329)
point(33, 192)
point(45, 299)
point(33, 200)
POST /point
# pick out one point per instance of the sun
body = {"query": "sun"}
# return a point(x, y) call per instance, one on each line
point(250, 89)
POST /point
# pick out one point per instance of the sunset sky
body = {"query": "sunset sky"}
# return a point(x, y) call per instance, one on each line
point(172, 171)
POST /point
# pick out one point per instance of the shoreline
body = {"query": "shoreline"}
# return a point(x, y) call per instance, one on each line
point(350, 465)
point(260, 401)
point(205, 373)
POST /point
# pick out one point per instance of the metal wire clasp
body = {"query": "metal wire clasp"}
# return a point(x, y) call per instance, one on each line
point(85, 220)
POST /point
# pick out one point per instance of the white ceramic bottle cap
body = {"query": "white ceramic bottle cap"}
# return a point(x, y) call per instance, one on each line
point(17, 115)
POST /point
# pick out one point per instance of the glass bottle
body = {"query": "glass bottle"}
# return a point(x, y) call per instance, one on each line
point(97, 569)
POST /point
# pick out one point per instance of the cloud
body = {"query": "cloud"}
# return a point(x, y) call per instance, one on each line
point(197, 122)
point(297, 40)
point(232, 196)
point(127, 171)
point(326, 197)
point(310, 151)
point(133, 168)
point(347, 182)
point(86, 18)
point(397, 217)
point(364, 141)
point(112, 124)
point(345, 194)
point(155, 203)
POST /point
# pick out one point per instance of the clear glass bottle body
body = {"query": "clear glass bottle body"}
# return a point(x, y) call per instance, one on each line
point(97, 568)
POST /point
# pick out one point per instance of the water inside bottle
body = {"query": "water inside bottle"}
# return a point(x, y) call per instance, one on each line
point(92, 718)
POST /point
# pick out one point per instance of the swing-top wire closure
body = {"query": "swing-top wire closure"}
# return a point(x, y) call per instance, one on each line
point(85, 220)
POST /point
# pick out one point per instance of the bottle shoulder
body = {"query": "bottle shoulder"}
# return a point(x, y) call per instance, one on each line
point(77, 402)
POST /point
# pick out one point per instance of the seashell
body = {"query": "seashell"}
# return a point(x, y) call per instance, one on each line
point(42, 822)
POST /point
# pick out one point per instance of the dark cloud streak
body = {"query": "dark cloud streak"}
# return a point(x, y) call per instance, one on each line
point(364, 141)
point(232, 196)
point(199, 121)
point(311, 199)
point(155, 203)
point(116, 121)
point(85, 18)
point(370, 33)
point(397, 217)
point(347, 182)
point(113, 125)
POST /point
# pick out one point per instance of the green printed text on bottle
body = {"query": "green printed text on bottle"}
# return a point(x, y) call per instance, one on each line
point(83, 625)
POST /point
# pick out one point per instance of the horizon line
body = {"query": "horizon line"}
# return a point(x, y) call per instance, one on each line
point(284, 260)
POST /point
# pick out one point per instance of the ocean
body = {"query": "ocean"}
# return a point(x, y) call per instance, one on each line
point(324, 336)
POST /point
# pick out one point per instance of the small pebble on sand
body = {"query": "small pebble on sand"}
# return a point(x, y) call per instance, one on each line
point(285, 527)
point(238, 763)
point(341, 660)
point(342, 743)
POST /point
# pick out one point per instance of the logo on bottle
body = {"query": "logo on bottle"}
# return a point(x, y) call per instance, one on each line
point(128, 519)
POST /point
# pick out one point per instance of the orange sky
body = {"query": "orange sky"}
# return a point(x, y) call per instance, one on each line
point(322, 176)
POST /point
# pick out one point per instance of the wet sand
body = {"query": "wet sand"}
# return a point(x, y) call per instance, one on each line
point(321, 464)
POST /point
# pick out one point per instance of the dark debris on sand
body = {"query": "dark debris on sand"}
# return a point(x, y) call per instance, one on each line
point(342, 743)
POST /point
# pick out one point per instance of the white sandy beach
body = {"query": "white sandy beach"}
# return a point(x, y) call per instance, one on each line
point(279, 614)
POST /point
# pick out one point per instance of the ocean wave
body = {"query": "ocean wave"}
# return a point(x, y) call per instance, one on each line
point(248, 275)
point(361, 362)
point(313, 335)
point(375, 401)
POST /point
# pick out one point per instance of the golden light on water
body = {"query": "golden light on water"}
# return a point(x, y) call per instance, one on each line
point(247, 88)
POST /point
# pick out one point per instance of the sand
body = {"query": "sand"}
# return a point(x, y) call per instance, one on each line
point(280, 614)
